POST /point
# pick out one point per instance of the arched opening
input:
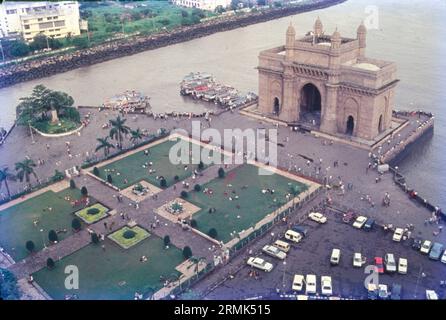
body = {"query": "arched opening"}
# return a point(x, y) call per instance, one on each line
point(380, 124)
point(276, 107)
point(350, 125)
point(310, 104)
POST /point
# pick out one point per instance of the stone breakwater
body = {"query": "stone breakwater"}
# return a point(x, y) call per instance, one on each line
point(37, 69)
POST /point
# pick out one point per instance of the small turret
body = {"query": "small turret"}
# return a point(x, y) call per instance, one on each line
point(289, 44)
point(318, 28)
point(361, 35)
point(336, 39)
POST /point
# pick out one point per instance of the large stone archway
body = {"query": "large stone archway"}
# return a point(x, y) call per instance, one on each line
point(310, 104)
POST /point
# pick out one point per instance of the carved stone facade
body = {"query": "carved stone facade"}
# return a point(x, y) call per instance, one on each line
point(327, 82)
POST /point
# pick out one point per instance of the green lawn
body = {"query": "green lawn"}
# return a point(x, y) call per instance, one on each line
point(113, 273)
point(131, 167)
point(253, 204)
point(92, 218)
point(119, 236)
point(17, 222)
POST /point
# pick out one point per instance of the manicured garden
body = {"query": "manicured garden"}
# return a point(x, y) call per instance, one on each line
point(136, 167)
point(240, 200)
point(127, 237)
point(47, 211)
point(114, 273)
point(62, 126)
point(92, 213)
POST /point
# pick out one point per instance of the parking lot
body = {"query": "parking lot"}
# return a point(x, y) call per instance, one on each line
point(312, 256)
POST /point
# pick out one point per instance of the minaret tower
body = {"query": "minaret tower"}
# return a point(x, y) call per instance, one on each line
point(318, 28)
point(361, 36)
point(289, 44)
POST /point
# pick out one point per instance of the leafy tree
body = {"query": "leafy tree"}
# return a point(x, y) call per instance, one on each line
point(184, 13)
point(96, 172)
point(163, 183)
point(8, 286)
point(193, 223)
point(187, 252)
point(105, 145)
point(176, 178)
point(52, 236)
point(212, 233)
point(50, 263)
point(221, 173)
point(166, 240)
point(30, 246)
point(19, 49)
point(184, 194)
point(136, 135)
point(76, 224)
point(84, 191)
point(80, 42)
point(219, 9)
point(57, 175)
point(72, 184)
point(118, 130)
point(6, 176)
point(197, 187)
point(25, 169)
point(109, 178)
point(94, 238)
point(201, 165)
point(40, 41)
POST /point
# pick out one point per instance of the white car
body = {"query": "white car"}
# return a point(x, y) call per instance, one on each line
point(431, 295)
point(443, 257)
point(298, 282)
point(426, 247)
point(318, 217)
point(310, 284)
point(259, 263)
point(359, 222)
point(274, 252)
point(398, 234)
point(358, 260)
point(402, 265)
point(383, 292)
point(327, 289)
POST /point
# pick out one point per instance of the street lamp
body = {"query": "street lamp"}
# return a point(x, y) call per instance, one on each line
point(43, 239)
point(283, 278)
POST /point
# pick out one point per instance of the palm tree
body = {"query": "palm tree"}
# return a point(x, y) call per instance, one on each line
point(118, 130)
point(5, 175)
point(25, 169)
point(196, 261)
point(136, 135)
point(104, 144)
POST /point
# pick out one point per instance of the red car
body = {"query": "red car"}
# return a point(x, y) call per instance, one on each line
point(379, 264)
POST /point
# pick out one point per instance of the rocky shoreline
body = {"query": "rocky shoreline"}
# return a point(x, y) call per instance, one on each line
point(37, 69)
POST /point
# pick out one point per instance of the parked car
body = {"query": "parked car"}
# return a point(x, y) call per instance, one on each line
point(389, 262)
point(379, 264)
point(293, 236)
point(298, 282)
point(359, 222)
point(383, 292)
point(326, 286)
point(300, 229)
point(443, 257)
point(335, 257)
point(282, 245)
point(436, 251)
point(416, 244)
point(402, 265)
point(396, 292)
point(372, 291)
point(369, 224)
point(431, 295)
point(261, 264)
point(310, 284)
point(274, 252)
point(426, 247)
point(398, 234)
point(358, 260)
point(318, 217)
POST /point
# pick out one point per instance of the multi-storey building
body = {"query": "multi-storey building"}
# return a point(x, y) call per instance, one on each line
point(208, 5)
point(27, 19)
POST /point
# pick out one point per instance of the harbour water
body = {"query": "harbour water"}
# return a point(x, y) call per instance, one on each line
point(411, 33)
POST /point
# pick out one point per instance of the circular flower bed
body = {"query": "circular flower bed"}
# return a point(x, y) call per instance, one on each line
point(93, 211)
point(129, 234)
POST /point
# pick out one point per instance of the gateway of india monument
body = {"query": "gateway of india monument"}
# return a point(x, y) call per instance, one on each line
point(326, 82)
